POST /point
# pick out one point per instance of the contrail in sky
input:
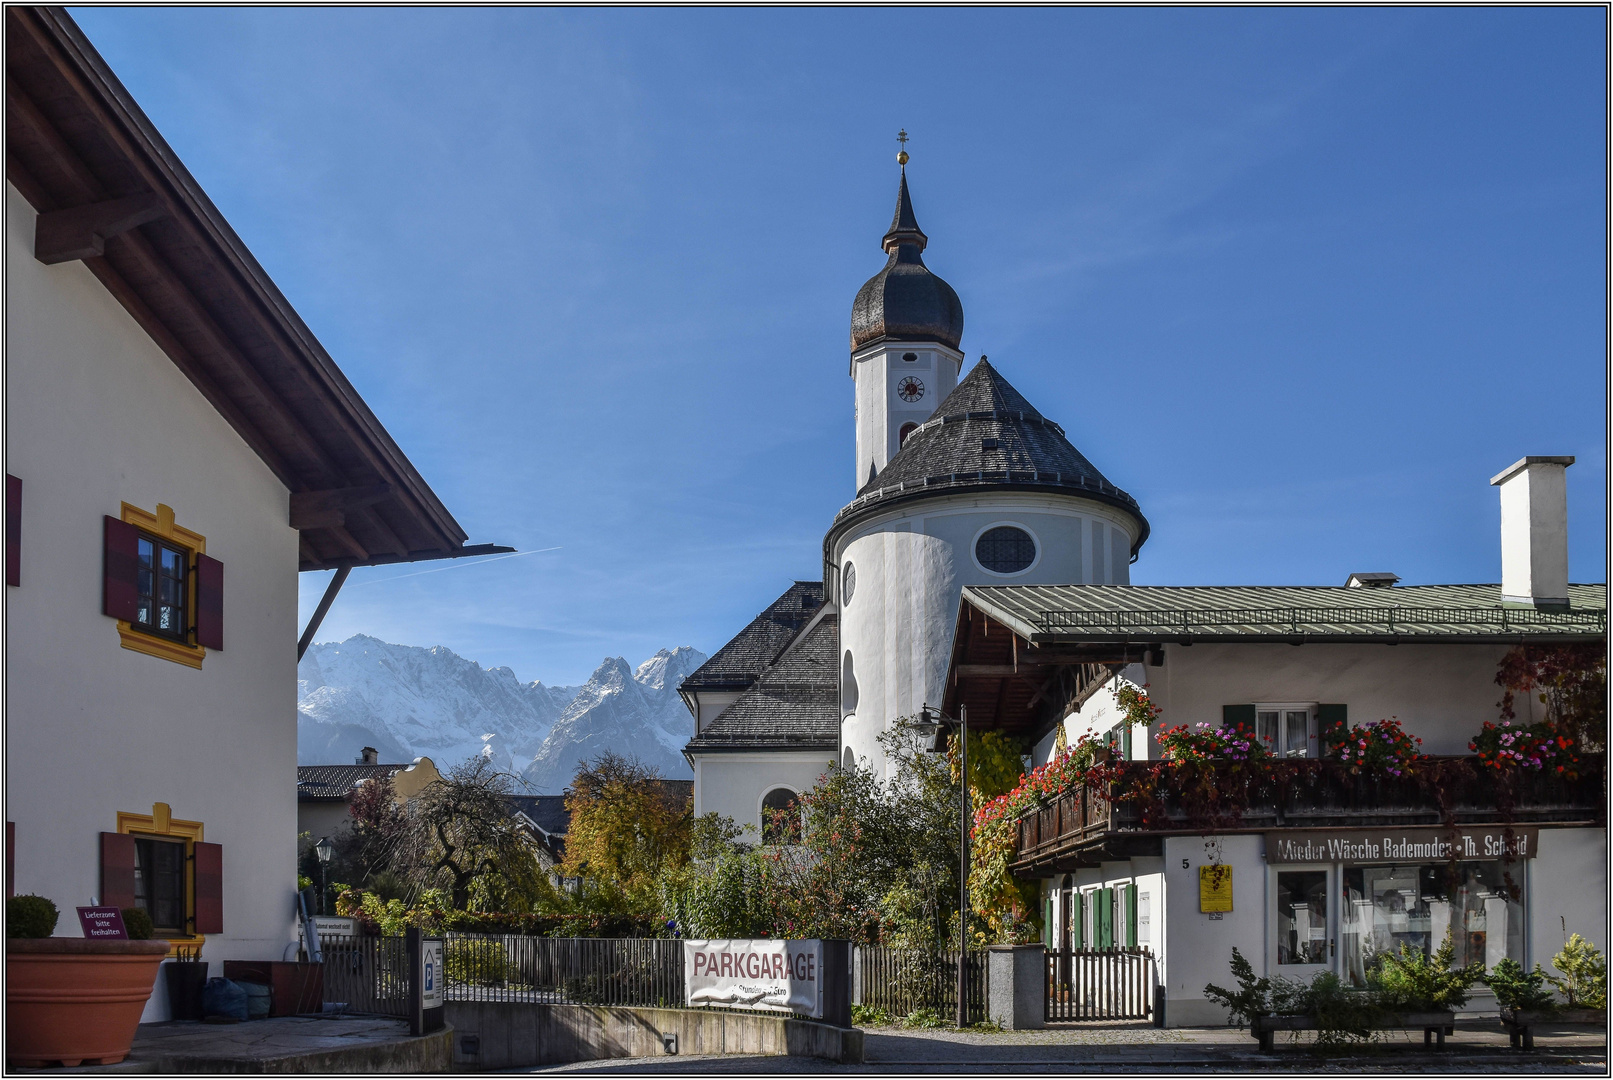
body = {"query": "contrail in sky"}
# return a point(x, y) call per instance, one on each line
point(455, 566)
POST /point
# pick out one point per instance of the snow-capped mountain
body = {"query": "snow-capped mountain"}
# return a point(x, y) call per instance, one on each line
point(407, 701)
point(632, 712)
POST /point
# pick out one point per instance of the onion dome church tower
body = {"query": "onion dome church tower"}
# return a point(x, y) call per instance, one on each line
point(959, 483)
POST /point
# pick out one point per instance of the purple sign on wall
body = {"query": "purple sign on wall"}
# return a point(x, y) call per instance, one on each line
point(102, 922)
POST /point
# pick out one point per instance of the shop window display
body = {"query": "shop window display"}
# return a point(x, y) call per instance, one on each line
point(1302, 917)
point(1386, 907)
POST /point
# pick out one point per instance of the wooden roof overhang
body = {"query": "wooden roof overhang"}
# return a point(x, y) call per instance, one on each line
point(1021, 686)
point(110, 191)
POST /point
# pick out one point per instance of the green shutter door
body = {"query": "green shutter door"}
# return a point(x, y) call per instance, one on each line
point(1077, 912)
point(1103, 925)
point(1047, 925)
point(1131, 914)
point(1232, 715)
point(1329, 717)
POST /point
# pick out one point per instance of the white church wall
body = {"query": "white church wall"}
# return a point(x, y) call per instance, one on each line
point(734, 784)
point(912, 565)
point(97, 415)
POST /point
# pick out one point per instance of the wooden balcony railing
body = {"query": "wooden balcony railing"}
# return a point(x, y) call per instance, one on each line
point(1315, 794)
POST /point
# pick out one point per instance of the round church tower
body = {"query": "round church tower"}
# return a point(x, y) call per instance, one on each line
point(962, 483)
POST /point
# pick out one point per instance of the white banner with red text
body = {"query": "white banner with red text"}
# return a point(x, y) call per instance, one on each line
point(769, 975)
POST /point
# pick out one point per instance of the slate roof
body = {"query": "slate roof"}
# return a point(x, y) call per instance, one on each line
point(986, 436)
point(906, 301)
point(319, 782)
point(794, 704)
point(737, 664)
point(547, 812)
point(1076, 613)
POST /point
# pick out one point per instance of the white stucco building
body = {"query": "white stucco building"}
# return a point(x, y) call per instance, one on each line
point(1334, 870)
point(178, 447)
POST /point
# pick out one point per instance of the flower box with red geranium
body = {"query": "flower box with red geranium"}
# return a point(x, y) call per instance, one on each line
point(1383, 748)
point(1208, 743)
point(1537, 746)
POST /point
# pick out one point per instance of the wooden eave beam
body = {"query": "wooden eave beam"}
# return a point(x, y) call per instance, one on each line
point(81, 232)
point(321, 509)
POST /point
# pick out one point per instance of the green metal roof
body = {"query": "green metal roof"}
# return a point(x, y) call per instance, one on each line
point(1106, 613)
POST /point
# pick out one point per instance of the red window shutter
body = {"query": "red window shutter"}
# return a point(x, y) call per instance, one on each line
point(209, 888)
point(209, 603)
point(13, 530)
point(120, 579)
point(117, 870)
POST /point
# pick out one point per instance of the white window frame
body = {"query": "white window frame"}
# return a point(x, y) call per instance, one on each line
point(1313, 743)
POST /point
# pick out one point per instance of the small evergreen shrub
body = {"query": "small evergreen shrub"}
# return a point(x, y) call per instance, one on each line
point(1584, 981)
point(30, 917)
point(138, 924)
point(870, 1016)
point(1408, 981)
point(1515, 988)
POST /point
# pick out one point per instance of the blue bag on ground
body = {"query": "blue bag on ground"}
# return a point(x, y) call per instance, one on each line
point(223, 997)
point(257, 1000)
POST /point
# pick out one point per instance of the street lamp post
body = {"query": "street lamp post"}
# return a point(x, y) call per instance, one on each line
point(323, 851)
point(929, 722)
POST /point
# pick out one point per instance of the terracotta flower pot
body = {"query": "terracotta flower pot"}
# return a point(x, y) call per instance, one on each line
point(76, 1001)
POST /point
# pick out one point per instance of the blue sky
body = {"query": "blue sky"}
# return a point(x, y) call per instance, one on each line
point(1301, 280)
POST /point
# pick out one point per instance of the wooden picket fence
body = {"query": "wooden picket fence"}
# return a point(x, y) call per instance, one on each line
point(901, 981)
point(1101, 984)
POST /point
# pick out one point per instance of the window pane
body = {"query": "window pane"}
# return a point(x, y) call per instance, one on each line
point(1266, 728)
point(1297, 734)
point(173, 564)
point(1302, 917)
point(147, 550)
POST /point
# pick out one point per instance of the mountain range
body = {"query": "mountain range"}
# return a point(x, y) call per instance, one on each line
point(409, 702)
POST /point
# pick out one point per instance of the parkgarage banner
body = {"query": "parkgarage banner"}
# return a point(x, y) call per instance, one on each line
point(1402, 845)
point(768, 975)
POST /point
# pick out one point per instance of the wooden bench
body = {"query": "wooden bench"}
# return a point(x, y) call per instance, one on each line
point(1435, 1026)
point(1520, 1023)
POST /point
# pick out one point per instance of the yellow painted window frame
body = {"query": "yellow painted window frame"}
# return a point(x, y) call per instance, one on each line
point(162, 823)
point(161, 524)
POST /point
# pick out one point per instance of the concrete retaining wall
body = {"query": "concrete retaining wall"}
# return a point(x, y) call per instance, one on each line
point(512, 1035)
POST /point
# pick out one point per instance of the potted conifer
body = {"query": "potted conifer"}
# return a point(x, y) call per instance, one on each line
point(73, 1001)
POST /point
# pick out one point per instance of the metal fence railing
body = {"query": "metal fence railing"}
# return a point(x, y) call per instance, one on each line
point(1101, 984)
point(367, 974)
point(901, 981)
point(593, 971)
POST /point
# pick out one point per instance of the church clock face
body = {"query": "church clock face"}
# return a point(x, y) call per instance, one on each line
point(910, 388)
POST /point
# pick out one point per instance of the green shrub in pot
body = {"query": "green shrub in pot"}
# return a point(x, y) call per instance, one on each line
point(30, 916)
point(138, 924)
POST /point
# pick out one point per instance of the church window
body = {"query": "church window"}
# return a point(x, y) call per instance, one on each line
point(848, 685)
point(907, 429)
point(910, 357)
point(848, 760)
point(781, 817)
point(848, 583)
point(1005, 550)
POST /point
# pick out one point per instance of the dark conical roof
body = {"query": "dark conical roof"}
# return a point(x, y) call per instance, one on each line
point(985, 435)
point(904, 301)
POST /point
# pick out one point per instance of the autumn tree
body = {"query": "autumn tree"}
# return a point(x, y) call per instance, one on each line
point(628, 828)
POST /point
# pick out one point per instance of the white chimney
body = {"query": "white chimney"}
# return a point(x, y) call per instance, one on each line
point(1534, 532)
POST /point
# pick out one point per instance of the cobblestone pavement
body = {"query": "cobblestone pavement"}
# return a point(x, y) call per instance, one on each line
point(1475, 1048)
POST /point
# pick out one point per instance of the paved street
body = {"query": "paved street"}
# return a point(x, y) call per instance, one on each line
point(1478, 1047)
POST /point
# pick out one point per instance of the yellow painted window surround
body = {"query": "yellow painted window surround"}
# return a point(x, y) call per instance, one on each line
point(161, 822)
point(161, 524)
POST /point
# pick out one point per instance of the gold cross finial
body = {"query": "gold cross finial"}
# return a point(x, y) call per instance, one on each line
point(901, 155)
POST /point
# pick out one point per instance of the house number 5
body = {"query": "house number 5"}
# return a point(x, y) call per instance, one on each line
point(1184, 864)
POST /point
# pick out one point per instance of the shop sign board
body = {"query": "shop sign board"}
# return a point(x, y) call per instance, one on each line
point(1401, 845)
point(768, 975)
point(1215, 888)
point(102, 923)
point(431, 973)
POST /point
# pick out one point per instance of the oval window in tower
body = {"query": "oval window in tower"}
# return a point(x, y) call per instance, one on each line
point(1005, 549)
point(848, 685)
point(848, 583)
